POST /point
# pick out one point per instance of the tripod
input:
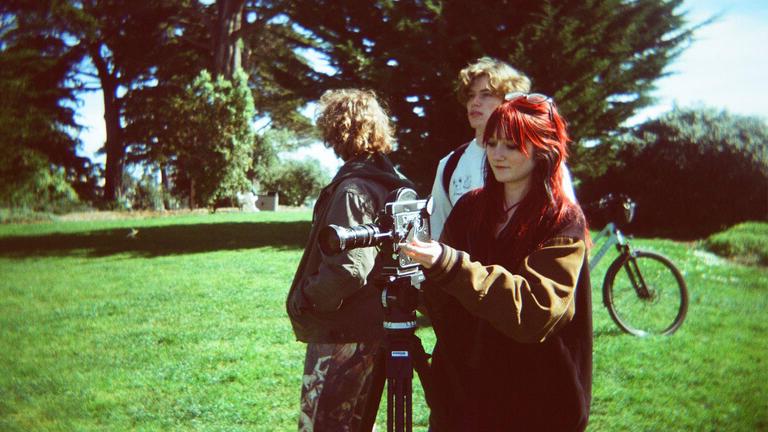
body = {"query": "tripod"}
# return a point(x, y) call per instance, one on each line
point(400, 353)
point(404, 217)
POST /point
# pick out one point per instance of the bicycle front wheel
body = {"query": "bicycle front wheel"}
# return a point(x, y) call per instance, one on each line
point(645, 294)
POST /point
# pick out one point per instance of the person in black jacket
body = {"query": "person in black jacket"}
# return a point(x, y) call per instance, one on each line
point(332, 304)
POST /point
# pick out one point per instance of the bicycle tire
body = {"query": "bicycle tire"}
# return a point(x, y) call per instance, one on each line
point(663, 312)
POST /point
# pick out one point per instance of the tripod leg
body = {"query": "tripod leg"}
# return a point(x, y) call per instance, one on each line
point(391, 406)
point(395, 367)
point(399, 405)
point(409, 405)
point(399, 379)
point(421, 366)
point(377, 388)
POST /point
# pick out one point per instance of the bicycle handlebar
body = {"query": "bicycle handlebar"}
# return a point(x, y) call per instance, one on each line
point(617, 206)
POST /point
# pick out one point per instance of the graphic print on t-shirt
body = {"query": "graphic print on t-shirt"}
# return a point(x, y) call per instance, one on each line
point(460, 184)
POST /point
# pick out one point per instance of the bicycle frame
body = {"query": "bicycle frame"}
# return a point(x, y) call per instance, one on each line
point(638, 282)
point(615, 238)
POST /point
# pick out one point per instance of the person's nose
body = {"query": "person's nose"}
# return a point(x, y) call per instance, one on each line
point(494, 152)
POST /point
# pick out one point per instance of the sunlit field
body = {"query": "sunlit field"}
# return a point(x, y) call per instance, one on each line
point(178, 324)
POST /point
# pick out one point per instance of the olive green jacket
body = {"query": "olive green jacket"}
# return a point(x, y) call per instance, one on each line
point(331, 299)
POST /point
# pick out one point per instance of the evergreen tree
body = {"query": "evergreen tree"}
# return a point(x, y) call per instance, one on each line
point(251, 35)
point(217, 37)
point(212, 138)
point(143, 53)
point(597, 58)
point(38, 155)
point(104, 43)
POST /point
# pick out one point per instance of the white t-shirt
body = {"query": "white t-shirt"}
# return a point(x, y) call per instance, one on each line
point(469, 174)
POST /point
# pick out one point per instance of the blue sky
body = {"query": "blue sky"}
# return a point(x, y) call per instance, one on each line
point(726, 66)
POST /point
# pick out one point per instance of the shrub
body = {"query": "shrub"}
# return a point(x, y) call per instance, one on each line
point(692, 172)
point(142, 193)
point(296, 181)
point(34, 184)
point(744, 242)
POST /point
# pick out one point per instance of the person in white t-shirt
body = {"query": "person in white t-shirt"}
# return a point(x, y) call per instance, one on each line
point(482, 87)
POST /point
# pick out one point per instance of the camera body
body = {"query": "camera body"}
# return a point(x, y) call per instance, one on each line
point(407, 218)
point(403, 218)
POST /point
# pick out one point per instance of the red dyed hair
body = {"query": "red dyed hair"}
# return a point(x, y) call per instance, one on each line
point(545, 207)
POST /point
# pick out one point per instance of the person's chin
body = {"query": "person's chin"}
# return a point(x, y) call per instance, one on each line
point(500, 177)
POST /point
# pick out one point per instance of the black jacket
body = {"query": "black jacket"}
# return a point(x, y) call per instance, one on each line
point(514, 329)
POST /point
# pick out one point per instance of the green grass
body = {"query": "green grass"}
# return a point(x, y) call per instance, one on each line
point(183, 328)
point(746, 242)
point(23, 216)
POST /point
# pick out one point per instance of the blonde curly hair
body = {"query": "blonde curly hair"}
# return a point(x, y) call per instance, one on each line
point(353, 122)
point(502, 78)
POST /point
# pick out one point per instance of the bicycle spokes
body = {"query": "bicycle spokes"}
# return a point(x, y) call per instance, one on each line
point(645, 294)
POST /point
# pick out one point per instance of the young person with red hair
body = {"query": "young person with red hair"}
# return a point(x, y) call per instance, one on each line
point(508, 289)
point(481, 87)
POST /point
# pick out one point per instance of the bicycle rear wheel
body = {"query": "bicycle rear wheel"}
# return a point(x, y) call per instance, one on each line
point(645, 294)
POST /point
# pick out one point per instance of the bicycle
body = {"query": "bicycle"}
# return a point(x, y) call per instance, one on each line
point(649, 297)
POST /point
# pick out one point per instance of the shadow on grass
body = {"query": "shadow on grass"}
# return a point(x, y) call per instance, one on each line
point(162, 240)
point(610, 331)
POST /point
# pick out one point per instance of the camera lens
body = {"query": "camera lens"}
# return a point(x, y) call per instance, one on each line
point(334, 239)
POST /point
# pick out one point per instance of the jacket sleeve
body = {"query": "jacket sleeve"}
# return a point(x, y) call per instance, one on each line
point(528, 305)
point(339, 276)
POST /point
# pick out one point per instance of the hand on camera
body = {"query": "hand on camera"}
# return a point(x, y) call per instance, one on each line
point(424, 253)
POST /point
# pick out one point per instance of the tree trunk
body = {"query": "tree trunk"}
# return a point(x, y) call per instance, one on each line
point(115, 149)
point(227, 38)
point(114, 146)
point(165, 186)
point(192, 194)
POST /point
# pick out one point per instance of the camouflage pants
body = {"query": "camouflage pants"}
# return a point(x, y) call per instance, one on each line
point(336, 385)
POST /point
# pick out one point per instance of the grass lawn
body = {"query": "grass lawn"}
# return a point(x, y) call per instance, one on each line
point(181, 327)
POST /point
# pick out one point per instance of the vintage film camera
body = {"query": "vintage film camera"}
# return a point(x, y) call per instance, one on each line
point(403, 218)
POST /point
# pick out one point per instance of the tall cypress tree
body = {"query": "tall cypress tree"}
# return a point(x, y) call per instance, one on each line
point(105, 42)
point(137, 53)
point(597, 58)
point(37, 117)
